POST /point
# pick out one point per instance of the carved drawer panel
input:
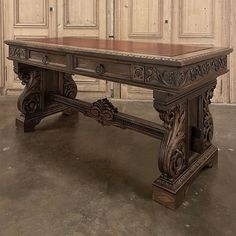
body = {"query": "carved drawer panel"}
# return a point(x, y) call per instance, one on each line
point(48, 58)
point(175, 77)
point(17, 52)
point(102, 67)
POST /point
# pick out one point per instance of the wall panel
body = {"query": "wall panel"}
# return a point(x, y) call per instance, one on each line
point(145, 18)
point(80, 13)
point(196, 18)
point(2, 59)
point(28, 13)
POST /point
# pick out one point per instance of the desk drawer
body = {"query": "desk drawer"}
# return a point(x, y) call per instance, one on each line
point(45, 58)
point(102, 67)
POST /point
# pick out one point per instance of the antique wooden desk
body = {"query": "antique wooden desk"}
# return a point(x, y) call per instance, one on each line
point(182, 78)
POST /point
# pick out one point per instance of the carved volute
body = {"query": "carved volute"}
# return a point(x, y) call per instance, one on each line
point(172, 160)
point(29, 100)
point(69, 86)
point(208, 126)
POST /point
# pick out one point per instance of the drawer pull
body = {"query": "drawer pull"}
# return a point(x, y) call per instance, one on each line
point(100, 69)
point(45, 60)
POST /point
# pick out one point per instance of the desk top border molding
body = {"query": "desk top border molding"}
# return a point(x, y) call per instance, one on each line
point(177, 61)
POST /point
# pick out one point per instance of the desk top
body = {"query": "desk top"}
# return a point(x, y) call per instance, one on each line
point(157, 49)
point(174, 54)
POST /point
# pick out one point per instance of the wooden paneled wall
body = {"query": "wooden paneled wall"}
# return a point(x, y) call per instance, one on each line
point(51, 18)
point(232, 15)
point(178, 21)
point(171, 21)
point(2, 76)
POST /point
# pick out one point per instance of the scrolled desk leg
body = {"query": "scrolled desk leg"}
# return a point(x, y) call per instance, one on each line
point(173, 155)
point(183, 154)
point(30, 101)
point(208, 125)
point(69, 89)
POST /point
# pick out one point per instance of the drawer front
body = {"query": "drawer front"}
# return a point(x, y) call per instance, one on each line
point(101, 67)
point(42, 58)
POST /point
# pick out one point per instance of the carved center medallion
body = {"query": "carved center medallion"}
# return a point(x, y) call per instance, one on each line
point(103, 111)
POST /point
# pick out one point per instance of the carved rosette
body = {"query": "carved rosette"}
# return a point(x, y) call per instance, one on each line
point(29, 100)
point(208, 126)
point(103, 111)
point(69, 86)
point(172, 161)
point(138, 72)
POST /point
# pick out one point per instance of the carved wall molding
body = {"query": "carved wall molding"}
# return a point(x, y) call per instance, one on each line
point(177, 78)
point(172, 160)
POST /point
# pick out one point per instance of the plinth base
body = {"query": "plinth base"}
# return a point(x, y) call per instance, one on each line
point(172, 194)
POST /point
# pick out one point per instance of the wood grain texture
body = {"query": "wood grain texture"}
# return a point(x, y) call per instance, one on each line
point(75, 15)
point(186, 22)
point(159, 49)
point(137, 69)
point(36, 18)
point(151, 13)
point(2, 59)
point(182, 94)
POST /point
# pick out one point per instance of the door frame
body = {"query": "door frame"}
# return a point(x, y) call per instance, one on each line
point(2, 57)
point(232, 81)
point(131, 92)
point(7, 86)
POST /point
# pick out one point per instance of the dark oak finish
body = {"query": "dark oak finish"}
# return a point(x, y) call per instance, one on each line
point(182, 77)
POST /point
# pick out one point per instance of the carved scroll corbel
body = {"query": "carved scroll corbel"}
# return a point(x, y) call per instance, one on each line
point(69, 86)
point(29, 101)
point(69, 90)
point(208, 126)
point(172, 160)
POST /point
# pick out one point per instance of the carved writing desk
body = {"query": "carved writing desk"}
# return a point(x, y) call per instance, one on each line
point(182, 77)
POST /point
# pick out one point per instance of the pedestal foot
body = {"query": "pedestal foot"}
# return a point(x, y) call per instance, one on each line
point(34, 102)
point(168, 199)
point(172, 193)
point(213, 162)
point(27, 125)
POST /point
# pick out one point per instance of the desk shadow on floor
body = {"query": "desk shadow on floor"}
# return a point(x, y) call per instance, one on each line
point(105, 158)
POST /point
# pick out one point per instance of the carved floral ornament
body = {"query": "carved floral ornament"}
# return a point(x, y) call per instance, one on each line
point(208, 126)
point(172, 161)
point(29, 100)
point(177, 78)
point(69, 86)
point(103, 111)
point(17, 52)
